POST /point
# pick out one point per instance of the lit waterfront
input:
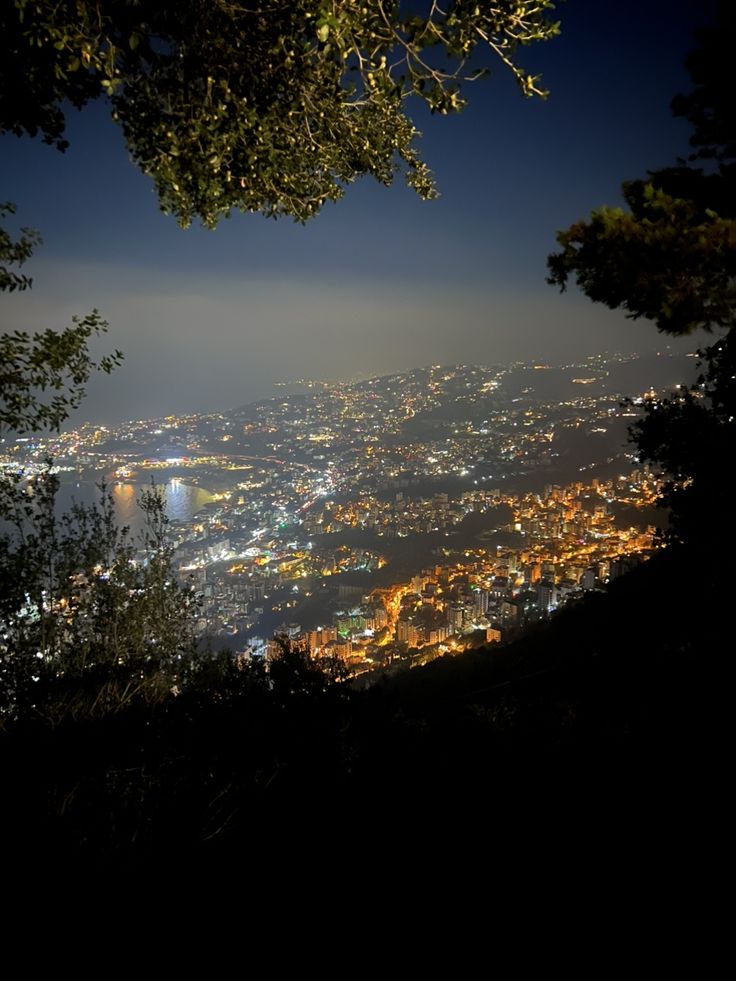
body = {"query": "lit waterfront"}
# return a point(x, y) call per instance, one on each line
point(405, 516)
point(183, 500)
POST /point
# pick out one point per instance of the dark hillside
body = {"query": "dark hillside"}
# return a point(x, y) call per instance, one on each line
point(612, 697)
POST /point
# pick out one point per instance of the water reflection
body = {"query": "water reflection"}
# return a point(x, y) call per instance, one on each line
point(183, 500)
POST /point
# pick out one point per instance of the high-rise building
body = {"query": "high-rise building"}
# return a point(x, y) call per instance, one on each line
point(546, 595)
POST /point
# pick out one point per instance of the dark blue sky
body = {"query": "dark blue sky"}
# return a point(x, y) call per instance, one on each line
point(381, 280)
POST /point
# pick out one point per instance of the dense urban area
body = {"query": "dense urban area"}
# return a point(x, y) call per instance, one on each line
point(394, 519)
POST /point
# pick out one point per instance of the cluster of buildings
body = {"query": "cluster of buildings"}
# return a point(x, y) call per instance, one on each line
point(561, 542)
point(375, 518)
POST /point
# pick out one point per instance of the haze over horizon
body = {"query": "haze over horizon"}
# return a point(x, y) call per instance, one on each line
point(381, 281)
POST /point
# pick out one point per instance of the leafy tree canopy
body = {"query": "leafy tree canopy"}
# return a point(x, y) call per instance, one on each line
point(86, 628)
point(42, 375)
point(690, 435)
point(15, 253)
point(670, 256)
point(272, 106)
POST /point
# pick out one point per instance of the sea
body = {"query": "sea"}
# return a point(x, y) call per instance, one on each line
point(183, 500)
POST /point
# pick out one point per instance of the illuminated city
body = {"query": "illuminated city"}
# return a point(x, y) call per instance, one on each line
point(367, 401)
point(393, 519)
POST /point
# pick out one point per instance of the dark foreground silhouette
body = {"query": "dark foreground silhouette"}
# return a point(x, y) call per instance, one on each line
point(609, 706)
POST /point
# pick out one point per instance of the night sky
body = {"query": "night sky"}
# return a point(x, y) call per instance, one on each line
point(381, 281)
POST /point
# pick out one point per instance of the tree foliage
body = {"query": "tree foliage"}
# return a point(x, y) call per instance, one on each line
point(91, 621)
point(689, 435)
point(670, 257)
point(42, 375)
point(273, 107)
point(15, 253)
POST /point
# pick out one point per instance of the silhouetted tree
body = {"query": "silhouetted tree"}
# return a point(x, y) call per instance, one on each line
point(294, 672)
point(42, 375)
point(86, 627)
point(91, 621)
point(671, 257)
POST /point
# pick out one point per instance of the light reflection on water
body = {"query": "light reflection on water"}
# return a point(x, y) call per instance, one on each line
point(182, 500)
